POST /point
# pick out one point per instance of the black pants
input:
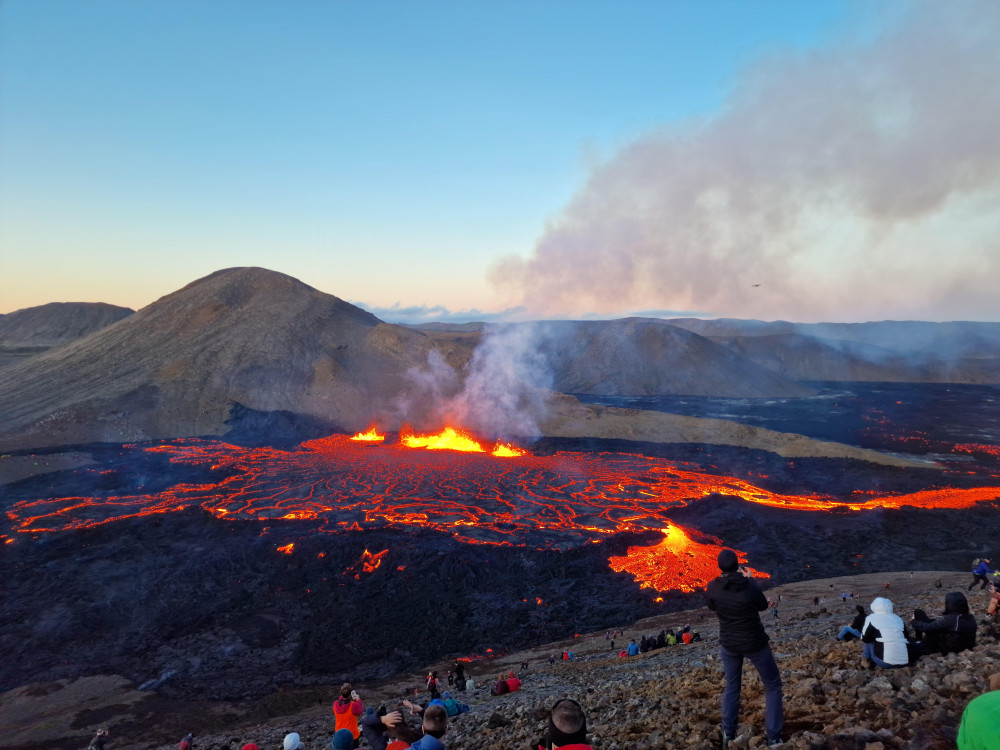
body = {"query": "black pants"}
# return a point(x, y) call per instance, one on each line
point(976, 578)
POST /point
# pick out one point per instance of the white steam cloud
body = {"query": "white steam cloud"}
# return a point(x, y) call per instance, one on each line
point(859, 181)
point(503, 391)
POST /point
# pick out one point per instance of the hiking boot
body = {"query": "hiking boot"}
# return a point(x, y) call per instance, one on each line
point(775, 743)
point(725, 740)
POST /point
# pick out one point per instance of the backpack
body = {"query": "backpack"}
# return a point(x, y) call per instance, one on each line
point(975, 563)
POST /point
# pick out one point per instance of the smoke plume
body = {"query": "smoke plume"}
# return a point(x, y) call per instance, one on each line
point(857, 181)
point(502, 392)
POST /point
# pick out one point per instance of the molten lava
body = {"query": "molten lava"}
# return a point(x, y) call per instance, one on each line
point(372, 436)
point(676, 562)
point(556, 501)
point(449, 439)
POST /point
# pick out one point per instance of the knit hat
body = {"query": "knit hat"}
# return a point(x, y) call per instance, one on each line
point(342, 740)
point(728, 562)
point(250, 746)
point(292, 742)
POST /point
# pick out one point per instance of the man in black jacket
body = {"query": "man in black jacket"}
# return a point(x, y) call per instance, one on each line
point(951, 633)
point(737, 601)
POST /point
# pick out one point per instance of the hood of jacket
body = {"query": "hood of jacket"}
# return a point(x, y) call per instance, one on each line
point(881, 606)
point(955, 603)
point(734, 581)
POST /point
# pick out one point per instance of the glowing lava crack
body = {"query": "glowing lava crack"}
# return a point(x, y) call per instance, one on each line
point(557, 501)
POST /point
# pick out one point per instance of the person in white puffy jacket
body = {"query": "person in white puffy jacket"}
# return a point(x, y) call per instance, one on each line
point(883, 636)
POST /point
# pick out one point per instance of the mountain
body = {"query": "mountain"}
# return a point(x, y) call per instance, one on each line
point(648, 357)
point(176, 367)
point(899, 351)
point(33, 330)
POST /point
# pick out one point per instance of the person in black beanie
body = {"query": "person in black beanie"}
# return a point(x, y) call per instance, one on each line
point(567, 727)
point(737, 602)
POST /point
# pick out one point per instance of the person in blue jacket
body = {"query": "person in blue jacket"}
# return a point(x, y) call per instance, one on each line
point(982, 573)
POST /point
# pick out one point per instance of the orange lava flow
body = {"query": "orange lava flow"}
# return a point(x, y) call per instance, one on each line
point(558, 501)
point(372, 436)
point(677, 562)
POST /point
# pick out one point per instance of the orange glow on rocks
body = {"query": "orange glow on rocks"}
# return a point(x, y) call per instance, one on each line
point(566, 499)
point(371, 436)
point(367, 563)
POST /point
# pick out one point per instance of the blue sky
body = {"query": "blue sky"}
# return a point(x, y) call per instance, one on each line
point(407, 154)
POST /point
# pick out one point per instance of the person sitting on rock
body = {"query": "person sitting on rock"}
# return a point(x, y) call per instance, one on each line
point(883, 637)
point(567, 727)
point(346, 710)
point(293, 742)
point(994, 604)
point(854, 629)
point(513, 684)
point(501, 688)
point(187, 743)
point(342, 740)
point(99, 740)
point(375, 727)
point(951, 633)
point(451, 706)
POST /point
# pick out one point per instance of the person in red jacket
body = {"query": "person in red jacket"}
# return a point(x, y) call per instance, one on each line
point(567, 728)
point(346, 710)
point(501, 688)
point(513, 684)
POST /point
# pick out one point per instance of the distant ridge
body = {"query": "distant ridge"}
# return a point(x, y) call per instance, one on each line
point(33, 330)
point(898, 351)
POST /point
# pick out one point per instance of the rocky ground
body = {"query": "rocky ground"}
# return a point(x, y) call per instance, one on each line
point(667, 698)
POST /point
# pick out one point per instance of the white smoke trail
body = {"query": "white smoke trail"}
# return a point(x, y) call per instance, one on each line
point(852, 182)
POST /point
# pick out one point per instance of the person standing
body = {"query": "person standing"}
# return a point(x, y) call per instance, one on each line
point(980, 573)
point(738, 602)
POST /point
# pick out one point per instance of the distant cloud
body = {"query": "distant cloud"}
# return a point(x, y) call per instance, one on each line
point(852, 182)
point(417, 314)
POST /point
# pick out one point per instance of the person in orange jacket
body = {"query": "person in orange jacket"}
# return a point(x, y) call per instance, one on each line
point(346, 710)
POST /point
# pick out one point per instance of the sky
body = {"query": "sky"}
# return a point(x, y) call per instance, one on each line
point(808, 161)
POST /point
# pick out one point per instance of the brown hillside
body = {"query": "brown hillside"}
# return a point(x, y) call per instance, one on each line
point(174, 368)
point(26, 333)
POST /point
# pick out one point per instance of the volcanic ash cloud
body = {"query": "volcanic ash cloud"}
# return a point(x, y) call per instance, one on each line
point(859, 179)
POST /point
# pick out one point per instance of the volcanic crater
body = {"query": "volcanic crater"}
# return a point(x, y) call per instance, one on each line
point(243, 541)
